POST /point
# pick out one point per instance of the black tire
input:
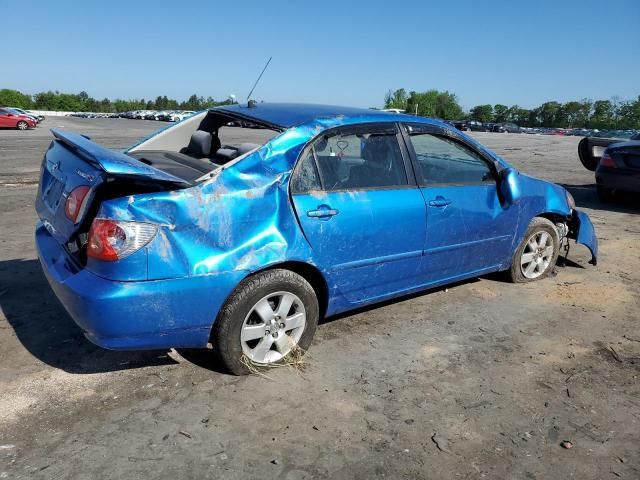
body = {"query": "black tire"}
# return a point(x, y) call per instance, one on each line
point(537, 225)
point(225, 334)
point(22, 125)
point(606, 195)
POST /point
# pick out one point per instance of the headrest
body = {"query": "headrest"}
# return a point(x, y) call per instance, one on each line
point(226, 154)
point(200, 144)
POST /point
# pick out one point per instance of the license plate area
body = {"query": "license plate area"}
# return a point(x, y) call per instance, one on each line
point(53, 193)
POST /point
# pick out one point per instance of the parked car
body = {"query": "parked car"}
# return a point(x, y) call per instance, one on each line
point(179, 116)
point(616, 164)
point(38, 118)
point(11, 119)
point(505, 128)
point(245, 246)
point(476, 126)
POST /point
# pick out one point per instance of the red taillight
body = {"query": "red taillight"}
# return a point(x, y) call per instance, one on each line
point(112, 240)
point(76, 202)
point(607, 161)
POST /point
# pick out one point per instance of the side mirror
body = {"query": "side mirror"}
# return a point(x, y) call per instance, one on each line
point(508, 187)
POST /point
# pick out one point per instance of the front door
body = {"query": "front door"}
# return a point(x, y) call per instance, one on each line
point(468, 229)
point(361, 211)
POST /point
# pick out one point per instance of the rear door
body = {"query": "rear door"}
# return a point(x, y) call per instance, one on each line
point(361, 211)
point(468, 229)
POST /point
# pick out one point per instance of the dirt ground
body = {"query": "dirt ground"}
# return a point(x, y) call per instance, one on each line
point(483, 379)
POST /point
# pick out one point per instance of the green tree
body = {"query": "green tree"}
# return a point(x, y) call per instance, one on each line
point(548, 113)
point(519, 116)
point(482, 113)
point(396, 99)
point(433, 103)
point(14, 98)
point(629, 114)
point(500, 113)
point(603, 115)
point(447, 106)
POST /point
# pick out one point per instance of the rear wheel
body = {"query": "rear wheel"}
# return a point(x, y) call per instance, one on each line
point(536, 255)
point(270, 318)
point(22, 125)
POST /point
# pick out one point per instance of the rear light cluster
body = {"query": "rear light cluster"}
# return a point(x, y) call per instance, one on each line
point(112, 240)
point(76, 203)
point(607, 161)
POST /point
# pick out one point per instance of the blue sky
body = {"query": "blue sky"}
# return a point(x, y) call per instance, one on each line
point(343, 52)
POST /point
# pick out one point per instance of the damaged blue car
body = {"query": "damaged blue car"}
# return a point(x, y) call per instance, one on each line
point(207, 234)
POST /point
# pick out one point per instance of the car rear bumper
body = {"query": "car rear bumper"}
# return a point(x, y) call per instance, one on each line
point(622, 179)
point(132, 315)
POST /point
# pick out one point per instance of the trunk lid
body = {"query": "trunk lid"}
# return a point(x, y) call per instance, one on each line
point(73, 160)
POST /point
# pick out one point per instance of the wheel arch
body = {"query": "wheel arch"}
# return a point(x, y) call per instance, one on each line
point(554, 217)
point(310, 273)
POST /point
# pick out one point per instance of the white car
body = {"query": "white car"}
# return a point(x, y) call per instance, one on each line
point(179, 116)
point(35, 116)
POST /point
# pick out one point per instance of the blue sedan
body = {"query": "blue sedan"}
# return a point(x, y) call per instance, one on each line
point(197, 238)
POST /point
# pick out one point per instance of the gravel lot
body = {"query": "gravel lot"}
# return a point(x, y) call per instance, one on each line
point(482, 379)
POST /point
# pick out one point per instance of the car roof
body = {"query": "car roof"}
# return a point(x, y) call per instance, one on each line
point(287, 115)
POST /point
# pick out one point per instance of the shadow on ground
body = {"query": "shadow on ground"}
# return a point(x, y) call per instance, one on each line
point(45, 329)
point(586, 197)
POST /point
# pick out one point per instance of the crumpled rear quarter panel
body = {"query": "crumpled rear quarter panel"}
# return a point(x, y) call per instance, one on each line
point(239, 221)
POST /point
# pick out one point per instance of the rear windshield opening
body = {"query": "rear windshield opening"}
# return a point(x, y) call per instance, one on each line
point(202, 144)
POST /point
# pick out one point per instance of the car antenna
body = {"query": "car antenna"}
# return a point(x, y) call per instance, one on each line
point(250, 103)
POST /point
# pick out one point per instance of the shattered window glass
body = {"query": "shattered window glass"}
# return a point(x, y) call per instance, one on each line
point(306, 176)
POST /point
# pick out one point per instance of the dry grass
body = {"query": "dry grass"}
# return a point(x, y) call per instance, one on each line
point(296, 359)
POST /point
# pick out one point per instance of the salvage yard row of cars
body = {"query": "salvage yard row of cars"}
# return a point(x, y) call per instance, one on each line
point(197, 238)
point(160, 115)
point(476, 126)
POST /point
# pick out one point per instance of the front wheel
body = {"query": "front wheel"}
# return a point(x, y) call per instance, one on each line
point(22, 125)
point(536, 255)
point(270, 318)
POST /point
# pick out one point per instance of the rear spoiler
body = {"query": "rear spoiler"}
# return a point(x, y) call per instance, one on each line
point(112, 162)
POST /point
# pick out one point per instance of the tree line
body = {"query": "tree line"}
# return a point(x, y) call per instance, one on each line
point(601, 114)
point(82, 102)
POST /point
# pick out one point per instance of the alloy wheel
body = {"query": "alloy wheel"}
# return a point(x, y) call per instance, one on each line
point(273, 327)
point(537, 254)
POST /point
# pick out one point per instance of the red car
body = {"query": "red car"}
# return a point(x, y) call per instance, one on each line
point(8, 119)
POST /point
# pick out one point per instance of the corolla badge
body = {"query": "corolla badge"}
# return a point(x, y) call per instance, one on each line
point(87, 176)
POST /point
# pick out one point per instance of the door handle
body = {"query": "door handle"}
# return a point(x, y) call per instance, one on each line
point(439, 202)
point(323, 211)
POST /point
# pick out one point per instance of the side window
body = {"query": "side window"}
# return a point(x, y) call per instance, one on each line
point(442, 160)
point(305, 177)
point(360, 159)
